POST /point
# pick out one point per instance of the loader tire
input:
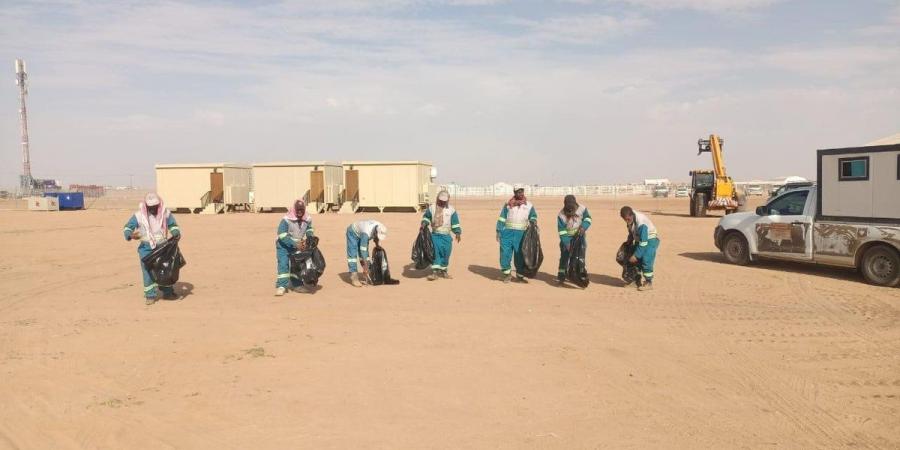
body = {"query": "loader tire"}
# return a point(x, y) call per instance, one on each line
point(700, 205)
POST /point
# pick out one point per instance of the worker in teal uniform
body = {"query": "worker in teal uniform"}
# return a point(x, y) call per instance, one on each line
point(444, 221)
point(293, 230)
point(358, 236)
point(572, 220)
point(643, 233)
point(514, 218)
point(151, 225)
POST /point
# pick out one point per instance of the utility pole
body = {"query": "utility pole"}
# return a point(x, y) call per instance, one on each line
point(21, 78)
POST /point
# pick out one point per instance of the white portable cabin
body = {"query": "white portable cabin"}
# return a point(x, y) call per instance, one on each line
point(859, 184)
point(279, 184)
point(387, 184)
point(204, 188)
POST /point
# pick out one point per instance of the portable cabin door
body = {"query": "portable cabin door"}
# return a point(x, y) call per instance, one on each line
point(352, 186)
point(316, 186)
point(217, 187)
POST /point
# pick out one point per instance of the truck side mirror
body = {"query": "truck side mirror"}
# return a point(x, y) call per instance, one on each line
point(762, 211)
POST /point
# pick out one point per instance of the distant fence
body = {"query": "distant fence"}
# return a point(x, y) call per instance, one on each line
point(552, 191)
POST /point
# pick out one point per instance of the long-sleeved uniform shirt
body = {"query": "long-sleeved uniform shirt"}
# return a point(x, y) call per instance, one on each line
point(290, 233)
point(451, 221)
point(642, 232)
point(516, 218)
point(364, 229)
point(134, 224)
point(567, 227)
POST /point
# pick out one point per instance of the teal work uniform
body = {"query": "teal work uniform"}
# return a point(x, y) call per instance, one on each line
point(441, 235)
point(290, 233)
point(511, 228)
point(645, 235)
point(568, 227)
point(358, 236)
point(144, 249)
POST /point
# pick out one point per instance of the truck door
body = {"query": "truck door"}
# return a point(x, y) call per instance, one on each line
point(786, 232)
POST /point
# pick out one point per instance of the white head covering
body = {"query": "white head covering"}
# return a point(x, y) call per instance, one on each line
point(151, 199)
point(444, 196)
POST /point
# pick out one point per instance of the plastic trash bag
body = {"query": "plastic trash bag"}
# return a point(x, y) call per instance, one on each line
point(423, 249)
point(629, 271)
point(164, 263)
point(576, 269)
point(309, 263)
point(380, 271)
point(531, 250)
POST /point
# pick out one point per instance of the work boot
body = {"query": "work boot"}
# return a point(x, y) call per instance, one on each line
point(521, 279)
point(279, 291)
point(561, 278)
point(354, 279)
point(505, 277)
point(446, 275)
point(648, 286)
point(149, 301)
point(433, 275)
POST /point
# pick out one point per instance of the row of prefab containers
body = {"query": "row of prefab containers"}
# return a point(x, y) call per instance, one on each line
point(325, 186)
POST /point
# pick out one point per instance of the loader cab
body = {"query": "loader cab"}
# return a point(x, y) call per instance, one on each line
point(702, 185)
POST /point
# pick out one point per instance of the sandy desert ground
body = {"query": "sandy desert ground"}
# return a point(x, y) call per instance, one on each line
point(718, 356)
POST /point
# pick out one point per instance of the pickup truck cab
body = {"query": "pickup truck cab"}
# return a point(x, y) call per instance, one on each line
point(786, 228)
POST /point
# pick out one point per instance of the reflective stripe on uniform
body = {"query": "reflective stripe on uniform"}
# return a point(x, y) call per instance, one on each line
point(563, 232)
point(295, 276)
point(501, 219)
point(648, 274)
point(588, 220)
point(150, 288)
point(174, 228)
point(651, 236)
point(426, 220)
point(644, 244)
point(128, 229)
point(362, 249)
point(516, 226)
point(283, 275)
point(454, 226)
point(353, 260)
point(435, 266)
point(507, 271)
point(282, 235)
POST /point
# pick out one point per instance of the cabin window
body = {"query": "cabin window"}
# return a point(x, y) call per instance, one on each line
point(853, 169)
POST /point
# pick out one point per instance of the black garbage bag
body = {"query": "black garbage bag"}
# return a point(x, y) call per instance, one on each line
point(423, 249)
point(380, 272)
point(531, 250)
point(576, 269)
point(164, 263)
point(629, 271)
point(308, 264)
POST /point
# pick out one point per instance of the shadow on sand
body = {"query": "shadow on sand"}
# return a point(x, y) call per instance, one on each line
point(783, 266)
point(410, 271)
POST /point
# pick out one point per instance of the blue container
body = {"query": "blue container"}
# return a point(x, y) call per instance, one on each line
point(68, 200)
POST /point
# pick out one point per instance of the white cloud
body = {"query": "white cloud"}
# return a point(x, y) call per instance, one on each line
point(588, 29)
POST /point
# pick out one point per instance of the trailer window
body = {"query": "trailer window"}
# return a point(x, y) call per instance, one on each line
point(853, 169)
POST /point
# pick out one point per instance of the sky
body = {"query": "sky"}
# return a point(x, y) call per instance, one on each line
point(543, 92)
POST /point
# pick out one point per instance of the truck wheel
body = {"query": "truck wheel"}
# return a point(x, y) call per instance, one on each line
point(700, 205)
point(692, 210)
point(735, 249)
point(880, 265)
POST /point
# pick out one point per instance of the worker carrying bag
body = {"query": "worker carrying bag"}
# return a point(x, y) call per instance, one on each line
point(531, 250)
point(164, 262)
point(380, 272)
point(423, 249)
point(309, 263)
point(576, 269)
point(629, 270)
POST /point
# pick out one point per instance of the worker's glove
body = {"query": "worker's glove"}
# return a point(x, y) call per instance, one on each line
point(633, 260)
point(135, 235)
point(458, 238)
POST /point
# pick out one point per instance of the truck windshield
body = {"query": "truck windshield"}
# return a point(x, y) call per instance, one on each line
point(790, 204)
point(703, 180)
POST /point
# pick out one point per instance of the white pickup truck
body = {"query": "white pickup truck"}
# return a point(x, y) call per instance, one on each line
point(851, 218)
point(786, 229)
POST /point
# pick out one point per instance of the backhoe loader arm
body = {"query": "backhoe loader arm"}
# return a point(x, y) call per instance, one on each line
point(713, 145)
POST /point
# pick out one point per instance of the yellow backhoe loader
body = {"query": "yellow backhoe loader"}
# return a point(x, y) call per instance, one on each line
point(713, 189)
